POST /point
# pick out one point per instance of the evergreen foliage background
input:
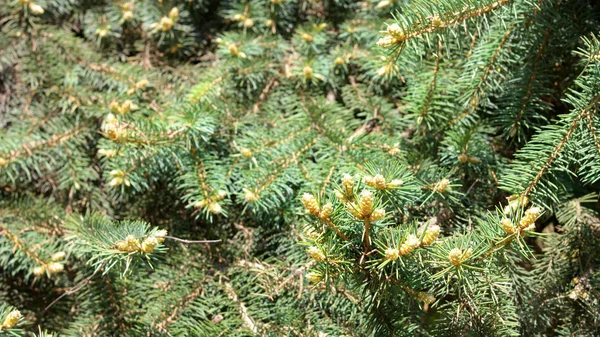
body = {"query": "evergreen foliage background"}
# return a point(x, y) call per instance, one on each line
point(299, 168)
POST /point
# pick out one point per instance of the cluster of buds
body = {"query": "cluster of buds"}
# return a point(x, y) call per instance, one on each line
point(393, 150)
point(464, 158)
point(166, 22)
point(457, 256)
point(527, 222)
point(132, 244)
point(514, 203)
point(11, 320)
point(234, 51)
point(33, 7)
point(124, 108)
point(408, 246)
point(393, 35)
point(363, 209)
point(312, 207)
point(579, 292)
point(112, 129)
point(51, 268)
point(127, 10)
point(246, 152)
point(316, 254)
point(378, 181)
point(212, 202)
point(250, 196)
point(119, 177)
point(442, 186)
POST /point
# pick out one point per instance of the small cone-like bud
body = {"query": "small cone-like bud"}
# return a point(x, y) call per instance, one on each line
point(39, 270)
point(436, 21)
point(316, 254)
point(395, 31)
point(326, 211)
point(412, 242)
point(391, 254)
point(127, 15)
point(348, 184)
point(366, 202)
point(455, 256)
point(58, 256)
point(36, 9)
point(269, 23)
point(442, 185)
point(160, 235)
point(166, 24)
point(174, 13)
point(308, 72)
point(431, 234)
point(200, 203)
point(250, 196)
point(426, 298)
point(149, 244)
point(246, 152)
point(307, 37)
point(11, 320)
point(55, 267)
point(378, 214)
point(248, 23)
point(507, 226)
point(339, 61)
point(310, 203)
point(529, 218)
point(221, 194)
point(314, 277)
point(354, 210)
point(215, 208)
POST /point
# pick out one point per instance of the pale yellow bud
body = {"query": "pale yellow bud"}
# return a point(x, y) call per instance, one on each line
point(3, 161)
point(384, 3)
point(200, 203)
point(11, 320)
point(326, 211)
point(378, 181)
point(36, 9)
point(174, 13)
point(310, 203)
point(142, 84)
point(132, 244)
point(166, 24)
point(455, 256)
point(436, 21)
point(39, 270)
point(395, 31)
point(426, 298)
point(55, 267)
point(412, 242)
point(393, 151)
point(442, 185)
point(463, 158)
point(127, 15)
point(395, 184)
point(248, 23)
point(246, 152)
point(529, 218)
point(149, 244)
point(160, 235)
point(58, 256)
point(221, 194)
point(387, 69)
point(307, 37)
point(353, 209)
point(238, 17)
point(507, 226)
point(339, 61)
point(391, 254)
point(366, 202)
point(114, 107)
point(348, 184)
point(515, 202)
point(340, 196)
point(102, 32)
point(431, 234)
point(314, 277)
point(215, 208)
point(250, 196)
point(386, 41)
point(308, 72)
point(316, 254)
point(269, 23)
point(378, 214)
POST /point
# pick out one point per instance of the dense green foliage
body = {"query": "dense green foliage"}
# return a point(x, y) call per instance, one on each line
point(299, 168)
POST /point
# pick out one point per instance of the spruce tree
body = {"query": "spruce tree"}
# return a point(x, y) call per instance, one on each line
point(299, 168)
